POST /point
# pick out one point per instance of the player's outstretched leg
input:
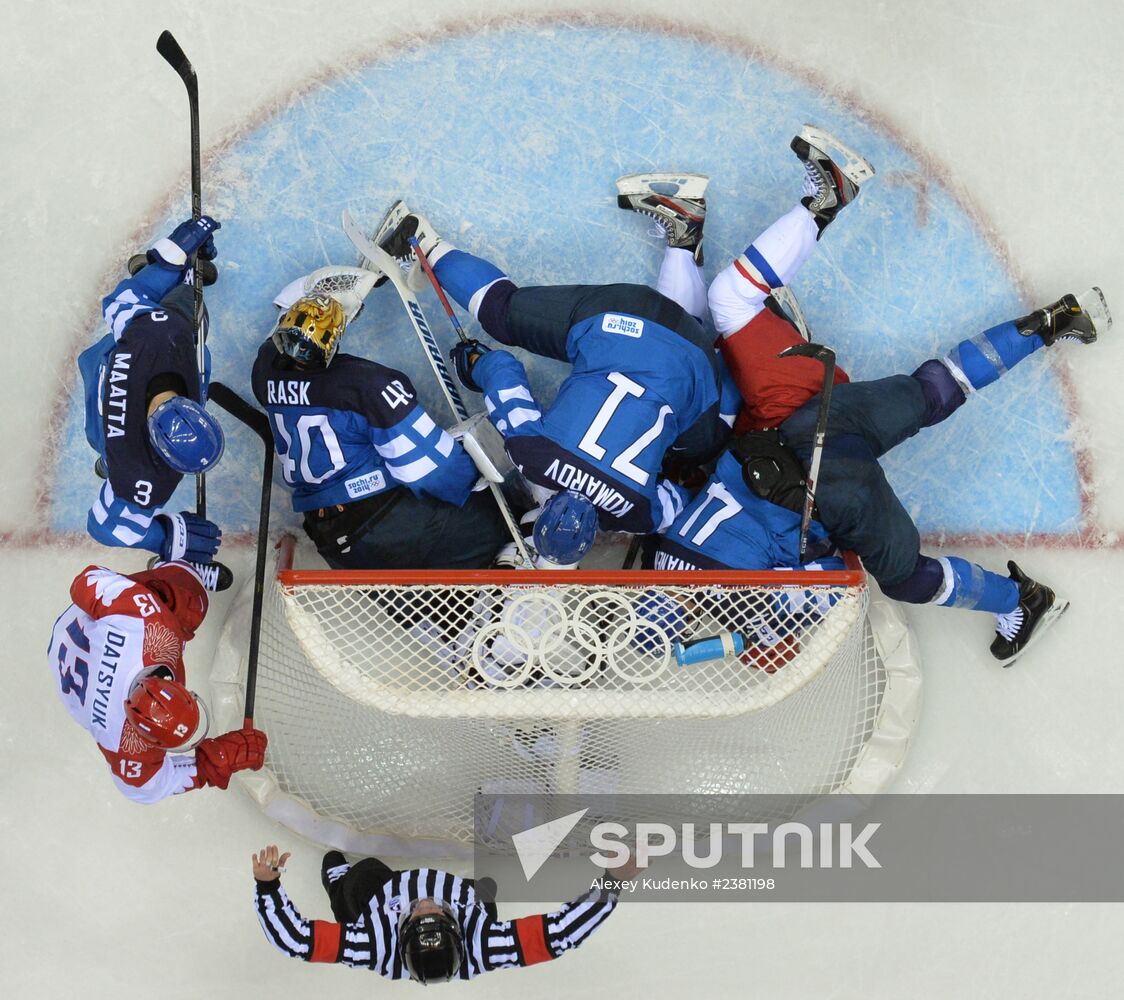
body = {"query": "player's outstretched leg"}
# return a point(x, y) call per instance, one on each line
point(1037, 610)
point(674, 200)
point(828, 186)
point(981, 360)
point(677, 204)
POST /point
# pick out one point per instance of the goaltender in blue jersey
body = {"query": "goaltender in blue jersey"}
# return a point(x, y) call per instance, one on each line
point(144, 402)
point(380, 484)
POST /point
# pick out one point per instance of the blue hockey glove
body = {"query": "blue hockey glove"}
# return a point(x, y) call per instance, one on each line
point(187, 239)
point(464, 356)
point(189, 536)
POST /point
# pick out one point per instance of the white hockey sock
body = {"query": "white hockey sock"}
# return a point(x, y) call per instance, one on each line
point(681, 280)
point(771, 261)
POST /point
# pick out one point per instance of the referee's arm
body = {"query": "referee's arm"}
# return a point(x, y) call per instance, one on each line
point(290, 933)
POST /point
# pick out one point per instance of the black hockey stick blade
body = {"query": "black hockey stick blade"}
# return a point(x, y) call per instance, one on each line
point(238, 408)
point(170, 49)
point(809, 350)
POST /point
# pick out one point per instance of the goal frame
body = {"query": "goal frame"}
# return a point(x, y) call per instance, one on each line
point(876, 765)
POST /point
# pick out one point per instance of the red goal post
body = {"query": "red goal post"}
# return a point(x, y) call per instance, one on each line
point(391, 697)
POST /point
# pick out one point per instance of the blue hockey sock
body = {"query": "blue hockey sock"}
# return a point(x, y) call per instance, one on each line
point(985, 357)
point(967, 585)
point(465, 278)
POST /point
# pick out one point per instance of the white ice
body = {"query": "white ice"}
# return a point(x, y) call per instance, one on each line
point(1017, 101)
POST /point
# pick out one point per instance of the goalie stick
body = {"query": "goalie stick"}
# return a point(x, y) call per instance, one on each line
point(826, 356)
point(170, 50)
point(379, 260)
point(253, 418)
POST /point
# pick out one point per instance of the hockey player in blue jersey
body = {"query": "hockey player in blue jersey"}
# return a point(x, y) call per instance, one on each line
point(144, 401)
point(643, 380)
point(380, 484)
point(748, 516)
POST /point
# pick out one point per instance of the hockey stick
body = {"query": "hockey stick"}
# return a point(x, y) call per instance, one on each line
point(432, 275)
point(826, 356)
point(253, 418)
point(382, 261)
point(170, 49)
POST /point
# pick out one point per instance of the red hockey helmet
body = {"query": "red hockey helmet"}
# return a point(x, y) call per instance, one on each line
point(164, 713)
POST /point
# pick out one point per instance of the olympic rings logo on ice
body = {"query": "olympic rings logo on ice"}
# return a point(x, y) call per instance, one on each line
point(538, 638)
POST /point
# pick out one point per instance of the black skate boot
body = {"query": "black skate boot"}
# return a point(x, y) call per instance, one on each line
point(675, 201)
point(1037, 610)
point(215, 576)
point(393, 236)
point(1069, 318)
point(332, 869)
point(208, 273)
point(828, 187)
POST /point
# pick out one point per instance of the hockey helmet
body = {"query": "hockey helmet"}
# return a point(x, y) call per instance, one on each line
point(429, 943)
point(566, 528)
point(164, 713)
point(309, 331)
point(185, 435)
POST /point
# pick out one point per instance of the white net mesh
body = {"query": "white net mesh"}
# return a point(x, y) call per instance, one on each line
point(388, 705)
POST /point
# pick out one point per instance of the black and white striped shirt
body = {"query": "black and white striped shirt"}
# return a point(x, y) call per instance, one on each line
point(372, 940)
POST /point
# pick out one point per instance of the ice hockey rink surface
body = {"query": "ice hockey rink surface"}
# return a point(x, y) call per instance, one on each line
point(994, 130)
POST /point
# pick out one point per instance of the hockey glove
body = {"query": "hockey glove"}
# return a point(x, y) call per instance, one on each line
point(464, 357)
point(218, 758)
point(187, 239)
point(660, 621)
point(189, 536)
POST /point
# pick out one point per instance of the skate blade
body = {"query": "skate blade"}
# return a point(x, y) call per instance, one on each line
point(856, 168)
point(668, 183)
point(1049, 619)
point(1094, 306)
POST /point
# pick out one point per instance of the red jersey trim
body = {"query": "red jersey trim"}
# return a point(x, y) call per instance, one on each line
point(325, 941)
point(531, 934)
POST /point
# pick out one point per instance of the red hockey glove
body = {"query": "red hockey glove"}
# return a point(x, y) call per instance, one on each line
point(217, 759)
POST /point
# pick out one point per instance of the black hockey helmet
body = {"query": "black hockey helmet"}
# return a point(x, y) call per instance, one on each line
point(430, 944)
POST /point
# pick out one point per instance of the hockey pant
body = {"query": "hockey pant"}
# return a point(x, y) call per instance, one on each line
point(411, 533)
point(350, 896)
point(856, 503)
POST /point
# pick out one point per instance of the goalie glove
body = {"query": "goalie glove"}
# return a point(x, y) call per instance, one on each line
point(464, 357)
point(189, 536)
point(188, 238)
point(218, 758)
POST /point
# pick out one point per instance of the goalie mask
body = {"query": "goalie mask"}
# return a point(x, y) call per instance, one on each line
point(309, 331)
point(185, 435)
point(430, 944)
point(164, 713)
point(566, 528)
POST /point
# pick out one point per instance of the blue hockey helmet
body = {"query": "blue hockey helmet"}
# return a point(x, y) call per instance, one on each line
point(566, 528)
point(185, 435)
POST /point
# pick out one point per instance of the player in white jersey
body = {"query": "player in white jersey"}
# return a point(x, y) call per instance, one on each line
point(117, 653)
point(426, 925)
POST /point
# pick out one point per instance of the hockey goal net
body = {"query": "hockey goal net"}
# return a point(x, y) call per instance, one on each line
point(391, 698)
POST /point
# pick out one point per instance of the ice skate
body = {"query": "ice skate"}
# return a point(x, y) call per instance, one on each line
point(393, 236)
point(675, 201)
point(1037, 610)
point(332, 869)
point(215, 576)
point(1070, 318)
point(829, 185)
point(208, 273)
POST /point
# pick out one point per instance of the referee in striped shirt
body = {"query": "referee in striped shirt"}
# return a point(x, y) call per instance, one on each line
point(422, 924)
